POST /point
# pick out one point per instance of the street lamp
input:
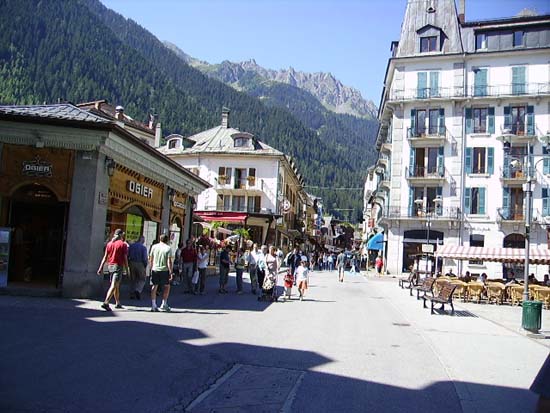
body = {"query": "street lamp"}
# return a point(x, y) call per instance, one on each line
point(420, 204)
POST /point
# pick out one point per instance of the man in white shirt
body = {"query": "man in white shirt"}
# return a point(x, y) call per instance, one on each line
point(161, 259)
point(252, 267)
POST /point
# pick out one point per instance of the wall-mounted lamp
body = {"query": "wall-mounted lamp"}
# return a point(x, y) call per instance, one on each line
point(171, 194)
point(110, 165)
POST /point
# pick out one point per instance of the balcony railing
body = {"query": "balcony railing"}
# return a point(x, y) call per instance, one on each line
point(430, 132)
point(437, 172)
point(237, 208)
point(512, 89)
point(511, 214)
point(435, 213)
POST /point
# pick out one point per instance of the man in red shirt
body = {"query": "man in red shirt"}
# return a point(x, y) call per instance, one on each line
point(188, 263)
point(116, 257)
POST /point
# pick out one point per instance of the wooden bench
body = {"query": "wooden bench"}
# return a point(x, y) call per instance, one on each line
point(426, 287)
point(445, 296)
point(410, 280)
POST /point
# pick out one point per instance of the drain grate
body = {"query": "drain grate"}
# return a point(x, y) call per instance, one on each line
point(401, 324)
point(250, 388)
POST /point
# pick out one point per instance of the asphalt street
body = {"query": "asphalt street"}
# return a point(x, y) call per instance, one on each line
point(363, 345)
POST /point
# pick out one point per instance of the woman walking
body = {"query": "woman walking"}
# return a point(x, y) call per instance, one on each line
point(239, 268)
point(302, 278)
point(202, 264)
point(272, 268)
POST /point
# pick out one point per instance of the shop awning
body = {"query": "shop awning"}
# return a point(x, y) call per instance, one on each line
point(376, 242)
point(233, 217)
point(537, 255)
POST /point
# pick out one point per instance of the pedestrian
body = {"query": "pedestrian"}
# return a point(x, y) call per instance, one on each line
point(137, 259)
point(225, 262)
point(378, 264)
point(261, 265)
point(330, 262)
point(272, 269)
point(202, 265)
point(239, 269)
point(340, 265)
point(116, 257)
point(252, 262)
point(161, 261)
point(294, 259)
point(188, 264)
point(302, 275)
point(288, 283)
point(178, 273)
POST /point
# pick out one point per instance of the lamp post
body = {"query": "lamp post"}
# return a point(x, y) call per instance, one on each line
point(428, 214)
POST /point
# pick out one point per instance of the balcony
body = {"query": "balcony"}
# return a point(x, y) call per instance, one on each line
point(512, 89)
point(416, 94)
point(385, 181)
point(238, 208)
point(425, 175)
point(431, 136)
point(413, 213)
point(514, 176)
point(512, 215)
point(248, 185)
point(383, 161)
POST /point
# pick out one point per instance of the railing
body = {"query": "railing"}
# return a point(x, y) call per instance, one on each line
point(223, 182)
point(237, 208)
point(511, 214)
point(429, 132)
point(519, 128)
point(518, 173)
point(512, 89)
point(425, 172)
point(434, 213)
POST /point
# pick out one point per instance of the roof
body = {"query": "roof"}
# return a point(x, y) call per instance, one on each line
point(105, 109)
point(61, 111)
point(221, 140)
point(508, 20)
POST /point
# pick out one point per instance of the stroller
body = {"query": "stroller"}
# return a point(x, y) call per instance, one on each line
point(269, 290)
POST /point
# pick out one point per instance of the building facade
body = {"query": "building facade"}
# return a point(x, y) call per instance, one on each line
point(252, 184)
point(68, 179)
point(464, 118)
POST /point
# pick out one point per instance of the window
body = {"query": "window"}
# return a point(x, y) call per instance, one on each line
point(428, 44)
point(474, 201)
point(480, 160)
point(421, 122)
point(173, 143)
point(423, 90)
point(433, 119)
point(223, 203)
point(480, 120)
point(545, 202)
point(251, 176)
point(240, 142)
point(518, 80)
point(476, 240)
point(254, 203)
point(427, 195)
point(224, 175)
point(480, 82)
point(518, 38)
point(520, 120)
point(240, 178)
point(481, 41)
point(238, 203)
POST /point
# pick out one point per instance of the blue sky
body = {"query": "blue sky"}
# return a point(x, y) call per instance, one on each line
point(349, 38)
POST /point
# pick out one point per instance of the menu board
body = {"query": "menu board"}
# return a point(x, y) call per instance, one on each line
point(133, 227)
point(5, 238)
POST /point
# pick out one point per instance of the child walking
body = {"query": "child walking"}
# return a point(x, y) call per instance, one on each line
point(302, 275)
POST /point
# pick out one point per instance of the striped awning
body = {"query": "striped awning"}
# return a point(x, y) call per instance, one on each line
point(537, 255)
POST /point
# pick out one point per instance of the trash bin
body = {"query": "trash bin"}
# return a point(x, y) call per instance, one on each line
point(531, 316)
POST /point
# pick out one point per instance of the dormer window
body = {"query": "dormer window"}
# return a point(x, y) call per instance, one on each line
point(174, 143)
point(428, 44)
point(241, 142)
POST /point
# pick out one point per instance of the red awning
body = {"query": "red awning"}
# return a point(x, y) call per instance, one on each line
point(233, 217)
point(537, 255)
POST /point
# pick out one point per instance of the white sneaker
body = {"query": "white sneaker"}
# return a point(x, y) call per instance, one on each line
point(165, 308)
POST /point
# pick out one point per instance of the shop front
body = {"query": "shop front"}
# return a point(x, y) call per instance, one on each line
point(35, 193)
point(178, 213)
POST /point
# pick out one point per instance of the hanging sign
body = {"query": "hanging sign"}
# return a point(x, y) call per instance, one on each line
point(37, 167)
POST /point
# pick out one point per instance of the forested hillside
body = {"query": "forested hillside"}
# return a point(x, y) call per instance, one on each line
point(79, 51)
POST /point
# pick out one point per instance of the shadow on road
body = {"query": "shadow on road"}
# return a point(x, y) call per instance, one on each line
point(58, 356)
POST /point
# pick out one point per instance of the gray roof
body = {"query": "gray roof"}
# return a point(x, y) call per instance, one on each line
point(62, 111)
point(221, 140)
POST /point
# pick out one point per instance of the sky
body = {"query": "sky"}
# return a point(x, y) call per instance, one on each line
point(348, 38)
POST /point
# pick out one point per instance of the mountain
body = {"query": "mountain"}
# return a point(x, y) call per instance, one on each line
point(78, 50)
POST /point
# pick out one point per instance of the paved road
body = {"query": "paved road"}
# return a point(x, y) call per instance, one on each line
point(360, 346)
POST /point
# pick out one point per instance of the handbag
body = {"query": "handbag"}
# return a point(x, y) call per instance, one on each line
point(268, 283)
point(195, 278)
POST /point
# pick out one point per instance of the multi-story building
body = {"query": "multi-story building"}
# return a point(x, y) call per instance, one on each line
point(253, 185)
point(464, 113)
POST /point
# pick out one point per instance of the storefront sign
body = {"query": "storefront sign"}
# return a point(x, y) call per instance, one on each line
point(178, 204)
point(139, 189)
point(37, 167)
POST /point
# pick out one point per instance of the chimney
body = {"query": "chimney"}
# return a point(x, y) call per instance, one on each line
point(158, 135)
point(461, 11)
point(152, 120)
point(119, 113)
point(225, 117)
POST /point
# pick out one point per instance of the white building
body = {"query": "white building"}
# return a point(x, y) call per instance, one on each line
point(462, 102)
point(253, 184)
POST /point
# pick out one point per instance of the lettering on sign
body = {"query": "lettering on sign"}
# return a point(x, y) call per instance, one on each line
point(37, 167)
point(139, 189)
point(178, 204)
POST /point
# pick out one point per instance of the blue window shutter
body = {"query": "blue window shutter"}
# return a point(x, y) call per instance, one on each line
point(506, 202)
point(480, 82)
point(518, 80)
point(481, 202)
point(441, 160)
point(468, 161)
point(545, 202)
point(491, 120)
point(413, 122)
point(421, 85)
point(412, 162)
point(469, 121)
point(442, 122)
point(507, 118)
point(530, 120)
point(490, 160)
point(467, 199)
point(411, 201)
point(546, 161)
point(439, 194)
point(434, 84)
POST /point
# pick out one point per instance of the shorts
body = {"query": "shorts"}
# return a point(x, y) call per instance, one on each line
point(115, 273)
point(160, 278)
